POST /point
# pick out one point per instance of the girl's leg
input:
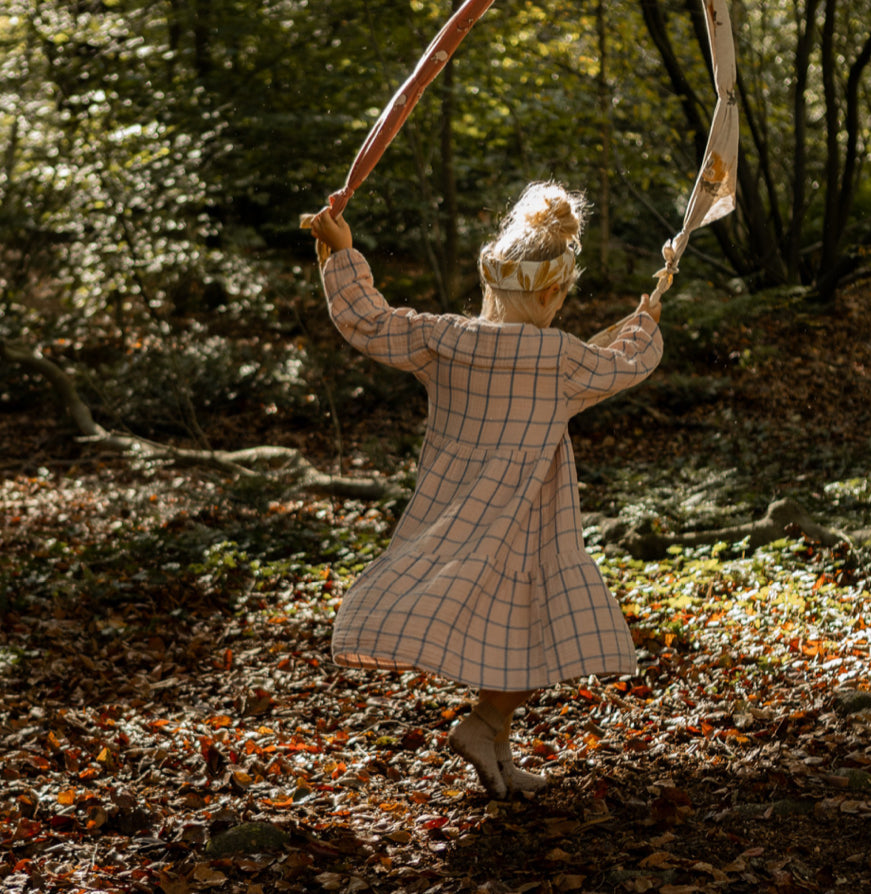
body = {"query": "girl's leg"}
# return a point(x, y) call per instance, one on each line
point(482, 738)
point(515, 779)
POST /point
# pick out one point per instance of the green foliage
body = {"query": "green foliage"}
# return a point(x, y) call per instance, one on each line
point(744, 608)
point(151, 385)
point(156, 156)
point(149, 145)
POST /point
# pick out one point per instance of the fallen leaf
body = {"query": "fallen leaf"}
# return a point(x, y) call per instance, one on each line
point(205, 875)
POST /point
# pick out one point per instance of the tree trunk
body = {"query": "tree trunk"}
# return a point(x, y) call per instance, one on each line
point(604, 209)
point(655, 22)
point(799, 112)
point(448, 209)
point(831, 236)
point(202, 38)
point(842, 171)
point(430, 224)
point(852, 164)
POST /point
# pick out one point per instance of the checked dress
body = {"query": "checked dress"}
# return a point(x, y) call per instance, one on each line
point(486, 580)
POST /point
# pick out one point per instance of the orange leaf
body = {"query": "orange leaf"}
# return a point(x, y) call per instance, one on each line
point(67, 797)
point(219, 721)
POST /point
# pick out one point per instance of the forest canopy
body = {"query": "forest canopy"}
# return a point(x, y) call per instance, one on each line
point(161, 153)
point(178, 530)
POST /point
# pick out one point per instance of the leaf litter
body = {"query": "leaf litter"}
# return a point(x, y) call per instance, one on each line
point(178, 726)
point(171, 721)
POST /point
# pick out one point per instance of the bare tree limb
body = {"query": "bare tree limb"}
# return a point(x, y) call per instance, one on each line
point(59, 380)
point(781, 519)
point(289, 465)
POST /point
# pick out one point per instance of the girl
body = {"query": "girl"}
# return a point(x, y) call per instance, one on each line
point(486, 580)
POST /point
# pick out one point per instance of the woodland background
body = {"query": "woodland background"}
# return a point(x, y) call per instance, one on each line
point(194, 467)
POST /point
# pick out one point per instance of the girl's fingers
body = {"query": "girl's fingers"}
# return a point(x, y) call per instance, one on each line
point(324, 222)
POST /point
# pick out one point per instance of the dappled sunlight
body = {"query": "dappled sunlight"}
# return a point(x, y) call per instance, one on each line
point(171, 707)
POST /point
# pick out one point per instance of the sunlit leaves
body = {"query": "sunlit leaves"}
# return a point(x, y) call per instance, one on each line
point(171, 716)
point(779, 608)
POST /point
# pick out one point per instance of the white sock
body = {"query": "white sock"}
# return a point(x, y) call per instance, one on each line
point(474, 739)
point(516, 780)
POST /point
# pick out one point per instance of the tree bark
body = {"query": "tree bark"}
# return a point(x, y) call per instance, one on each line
point(851, 124)
point(841, 172)
point(448, 210)
point(604, 209)
point(799, 112)
point(831, 236)
point(765, 224)
point(655, 22)
point(202, 27)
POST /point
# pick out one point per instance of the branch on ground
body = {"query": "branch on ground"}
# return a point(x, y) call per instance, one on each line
point(783, 518)
point(286, 464)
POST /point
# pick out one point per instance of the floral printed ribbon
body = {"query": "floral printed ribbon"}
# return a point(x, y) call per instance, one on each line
point(713, 195)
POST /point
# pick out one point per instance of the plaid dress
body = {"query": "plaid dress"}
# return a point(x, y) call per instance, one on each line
point(486, 580)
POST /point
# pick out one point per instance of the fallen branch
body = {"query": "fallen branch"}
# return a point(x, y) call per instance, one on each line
point(288, 464)
point(782, 518)
point(59, 380)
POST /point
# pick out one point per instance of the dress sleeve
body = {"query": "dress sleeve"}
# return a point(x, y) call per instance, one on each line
point(394, 336)
point(593, 373)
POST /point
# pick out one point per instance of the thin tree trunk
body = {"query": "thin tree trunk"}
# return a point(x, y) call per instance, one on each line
point(655, 22)
point(852, 163)
point(765, 224)
point(449, 210)
point(831, 236)
point(202, 38)
point(604, 209)
point(799, 112)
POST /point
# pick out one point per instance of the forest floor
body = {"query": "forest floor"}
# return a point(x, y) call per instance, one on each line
point(171, 721)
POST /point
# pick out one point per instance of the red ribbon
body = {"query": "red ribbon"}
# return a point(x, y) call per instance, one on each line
point(404, 100)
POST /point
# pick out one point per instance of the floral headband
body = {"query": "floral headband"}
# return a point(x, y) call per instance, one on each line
point(526, 276)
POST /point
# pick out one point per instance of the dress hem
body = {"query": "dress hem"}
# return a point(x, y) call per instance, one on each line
point(370, 663)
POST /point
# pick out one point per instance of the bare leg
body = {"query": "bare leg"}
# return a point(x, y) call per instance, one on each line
point(482, 739)
point(506, 703)
point(515, 779)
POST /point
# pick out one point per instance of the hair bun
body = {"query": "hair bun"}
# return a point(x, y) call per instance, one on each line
point(546, 220)
point(555, 212)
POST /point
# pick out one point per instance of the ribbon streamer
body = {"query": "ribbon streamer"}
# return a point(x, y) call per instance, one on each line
point(405, 99)
point(713, 195)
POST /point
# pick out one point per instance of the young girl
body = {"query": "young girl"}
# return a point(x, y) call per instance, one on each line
point(486, 580)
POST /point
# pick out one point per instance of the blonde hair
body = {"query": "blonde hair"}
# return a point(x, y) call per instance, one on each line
point(545, 222)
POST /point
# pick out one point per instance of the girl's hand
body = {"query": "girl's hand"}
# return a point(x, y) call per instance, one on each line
point(645, 307)
point(334, 233)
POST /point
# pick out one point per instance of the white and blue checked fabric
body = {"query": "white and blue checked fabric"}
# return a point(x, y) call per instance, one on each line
point(486, 580)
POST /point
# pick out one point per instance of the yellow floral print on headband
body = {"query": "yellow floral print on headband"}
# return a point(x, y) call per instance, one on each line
point(526, 276)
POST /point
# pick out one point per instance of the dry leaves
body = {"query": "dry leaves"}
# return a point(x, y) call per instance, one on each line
point(171, 722)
